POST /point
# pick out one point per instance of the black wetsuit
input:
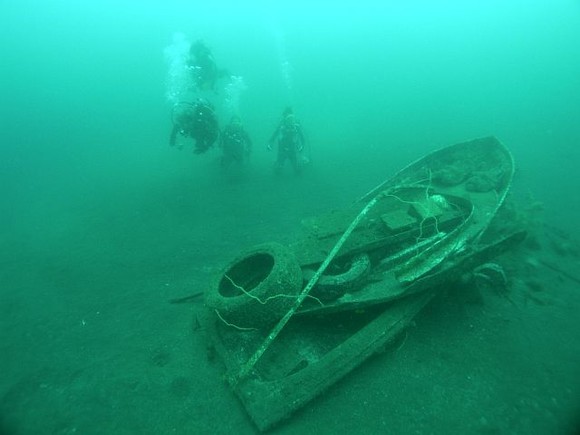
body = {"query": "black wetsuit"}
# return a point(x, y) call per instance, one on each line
point(236, 144)
point(290, 143)
point(200, 123)
point(203, 65)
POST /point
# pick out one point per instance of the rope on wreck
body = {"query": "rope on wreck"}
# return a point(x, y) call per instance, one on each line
point(247, 368)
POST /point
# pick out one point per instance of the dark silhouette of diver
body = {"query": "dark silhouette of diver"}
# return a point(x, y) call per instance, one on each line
point(196, 120)
point(290, 140)
point(203, 66)
point(235, 143)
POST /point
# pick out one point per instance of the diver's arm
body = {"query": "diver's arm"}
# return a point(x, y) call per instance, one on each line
point(274, 136)
point(301, 139)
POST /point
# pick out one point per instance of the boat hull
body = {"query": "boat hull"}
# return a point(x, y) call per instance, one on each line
point(421, 232)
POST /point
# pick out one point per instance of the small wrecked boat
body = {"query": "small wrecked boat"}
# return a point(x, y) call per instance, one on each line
point(288, 321)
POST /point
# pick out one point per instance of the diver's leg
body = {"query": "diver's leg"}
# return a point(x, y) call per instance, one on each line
point(201, 146)
point(279, 161)
point(293, 156)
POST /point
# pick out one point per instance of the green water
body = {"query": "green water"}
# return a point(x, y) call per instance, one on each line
point(101, 222)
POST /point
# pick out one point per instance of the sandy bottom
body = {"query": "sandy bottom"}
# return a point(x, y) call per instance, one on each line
point(91, 345)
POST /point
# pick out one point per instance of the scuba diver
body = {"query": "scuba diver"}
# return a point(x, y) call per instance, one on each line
point(290, 139)
point(235, 143)
point(196, 120)
point(202, 63)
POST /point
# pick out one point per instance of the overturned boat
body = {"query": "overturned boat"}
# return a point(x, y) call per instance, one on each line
point(288, 321)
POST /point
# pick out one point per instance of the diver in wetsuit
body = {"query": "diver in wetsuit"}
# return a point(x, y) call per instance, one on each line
point(198, 121)
point(290, 140)
point(235, 143)
point(203, 66)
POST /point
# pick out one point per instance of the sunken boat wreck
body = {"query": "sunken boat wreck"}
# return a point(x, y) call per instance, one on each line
point(288, 321)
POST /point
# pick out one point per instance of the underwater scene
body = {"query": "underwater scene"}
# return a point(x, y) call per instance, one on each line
point(290, 217)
